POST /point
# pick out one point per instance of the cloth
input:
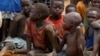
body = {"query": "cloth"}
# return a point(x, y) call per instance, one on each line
point(8, 15)
point(57, 24)
point(89, 38)
point(10, 5)
point(38, 35)
point(81, 9)
point(18, 42)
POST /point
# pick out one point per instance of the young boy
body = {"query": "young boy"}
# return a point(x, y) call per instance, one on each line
point(55, 20)
point(72, 37)
point(56, 17)
point(35, 29)
point(19, 21)
point(70, 8)
point(92, 15)
point(17, 29)
point(95, 24)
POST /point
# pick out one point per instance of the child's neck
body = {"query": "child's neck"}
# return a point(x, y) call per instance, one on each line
point(25, 14)
point(55, 17)
point(40, 23)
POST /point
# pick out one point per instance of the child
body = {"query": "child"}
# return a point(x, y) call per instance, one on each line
point(92, 14)
point(35, 29)
point(70, 8)
point(19, 21)
point(95, 3)
point(55, 20)
point(73, 38)
point(95, 24)
point(17, 29)
point(56, 17)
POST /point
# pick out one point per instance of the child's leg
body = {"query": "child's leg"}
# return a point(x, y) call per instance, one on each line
point(5, 27)
point(51, 35)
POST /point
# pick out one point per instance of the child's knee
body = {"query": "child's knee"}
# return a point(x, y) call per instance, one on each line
point(49, 28)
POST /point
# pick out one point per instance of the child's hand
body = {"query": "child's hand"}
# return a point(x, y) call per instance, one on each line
point(49, 27)
point(96, 24)
point(58, 31)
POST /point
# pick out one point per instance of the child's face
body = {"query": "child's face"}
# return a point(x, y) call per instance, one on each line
point(96, 3)
point(26, 6)
point(67, 24)
point(70, 9)
point(33, 14)
point(91, 16)
point(57, 7)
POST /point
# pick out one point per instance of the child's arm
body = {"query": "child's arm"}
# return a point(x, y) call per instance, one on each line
point(61, 44)
point(20, 51)
point(81, 37)
point(15, 25)
point(52, 36)
point(28, 40)
point(50, 33)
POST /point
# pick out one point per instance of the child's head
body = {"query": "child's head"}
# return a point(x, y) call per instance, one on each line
point(70, 8)
point(26, 6)
point(96, 3)
point(71, 20)
point(57, 7)
point(39, 12)
point(92, 14)
point(74, 1)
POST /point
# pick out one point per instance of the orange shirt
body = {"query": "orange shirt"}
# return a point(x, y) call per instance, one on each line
point(38, 35)
point(57, 24)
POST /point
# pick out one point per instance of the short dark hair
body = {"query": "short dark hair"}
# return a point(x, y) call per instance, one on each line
point(93, 9)
point(56, 0)
point(70, 5)
point(42, 10)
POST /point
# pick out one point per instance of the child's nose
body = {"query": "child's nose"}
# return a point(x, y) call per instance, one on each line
point(57, 9)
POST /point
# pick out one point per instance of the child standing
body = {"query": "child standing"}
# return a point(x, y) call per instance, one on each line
point(93, 19)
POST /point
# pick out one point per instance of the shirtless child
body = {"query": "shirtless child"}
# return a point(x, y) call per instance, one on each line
point(73, 37)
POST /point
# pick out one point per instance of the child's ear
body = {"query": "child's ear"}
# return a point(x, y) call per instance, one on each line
point(72, 23)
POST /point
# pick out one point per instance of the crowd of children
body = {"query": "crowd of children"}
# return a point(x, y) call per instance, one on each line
point(42, 31)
